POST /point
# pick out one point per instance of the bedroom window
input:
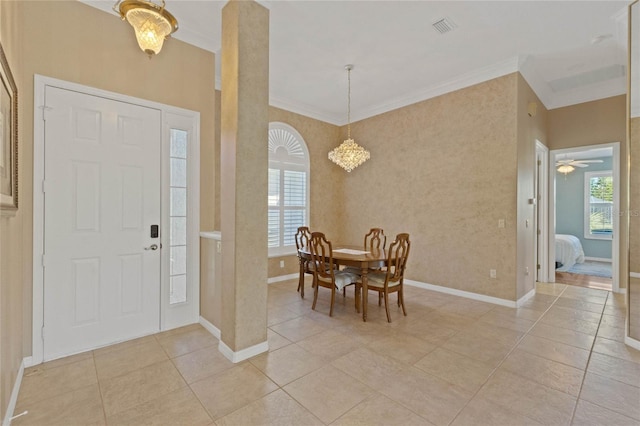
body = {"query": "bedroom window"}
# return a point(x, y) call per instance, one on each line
point(288, 198)
point(598, 205)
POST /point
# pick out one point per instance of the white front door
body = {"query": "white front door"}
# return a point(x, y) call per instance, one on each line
point(102, 196)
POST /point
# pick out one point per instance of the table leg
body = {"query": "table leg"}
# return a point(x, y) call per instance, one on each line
point(365, 293)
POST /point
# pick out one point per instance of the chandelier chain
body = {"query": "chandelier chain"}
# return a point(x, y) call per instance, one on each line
point(349, 103)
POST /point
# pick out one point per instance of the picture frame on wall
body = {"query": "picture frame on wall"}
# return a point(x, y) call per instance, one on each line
point(8, 138)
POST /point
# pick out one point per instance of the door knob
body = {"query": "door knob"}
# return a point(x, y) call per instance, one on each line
point(152, 247)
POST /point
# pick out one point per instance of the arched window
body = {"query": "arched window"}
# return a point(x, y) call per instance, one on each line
point(288, 198)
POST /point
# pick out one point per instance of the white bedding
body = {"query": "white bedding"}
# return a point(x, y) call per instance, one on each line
point(568, 251)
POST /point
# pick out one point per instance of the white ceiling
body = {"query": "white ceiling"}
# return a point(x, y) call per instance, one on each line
point(569, 51)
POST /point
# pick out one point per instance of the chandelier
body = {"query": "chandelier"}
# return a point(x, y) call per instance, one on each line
point(349, 154)
point(151, 22)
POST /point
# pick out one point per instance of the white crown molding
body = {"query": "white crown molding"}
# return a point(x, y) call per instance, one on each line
point(603, 90)
point(306, 110)
point(460, 82)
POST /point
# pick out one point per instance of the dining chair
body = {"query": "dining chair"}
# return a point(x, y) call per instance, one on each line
point(375, 239)
point(302, 237)
point(391, 279)
point(324, 272)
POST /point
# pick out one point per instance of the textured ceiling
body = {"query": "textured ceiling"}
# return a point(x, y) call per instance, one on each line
point(569, 51)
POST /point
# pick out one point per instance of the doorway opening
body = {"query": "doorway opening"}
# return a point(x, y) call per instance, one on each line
point(584, 231)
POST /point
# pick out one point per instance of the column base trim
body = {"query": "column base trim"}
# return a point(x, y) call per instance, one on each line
point(14, 393)
point(243, 354)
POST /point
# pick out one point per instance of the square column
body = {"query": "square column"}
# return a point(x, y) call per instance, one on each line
point(244, 178)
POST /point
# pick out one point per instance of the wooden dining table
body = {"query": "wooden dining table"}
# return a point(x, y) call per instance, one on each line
point(356, 257)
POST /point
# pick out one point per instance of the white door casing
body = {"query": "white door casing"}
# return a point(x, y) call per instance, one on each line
point(615, 242)
point(170, 316)
point(102, 194)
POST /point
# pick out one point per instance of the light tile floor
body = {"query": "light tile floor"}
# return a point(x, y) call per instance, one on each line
point(558, 360)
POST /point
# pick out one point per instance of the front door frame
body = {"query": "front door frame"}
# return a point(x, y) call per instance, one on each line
point(39, 110)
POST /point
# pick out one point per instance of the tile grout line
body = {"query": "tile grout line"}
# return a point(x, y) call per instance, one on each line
point(95, 367)
point(525, 334)
point(586, 368)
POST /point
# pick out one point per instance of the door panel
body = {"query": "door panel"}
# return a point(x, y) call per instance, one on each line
point(103, 192)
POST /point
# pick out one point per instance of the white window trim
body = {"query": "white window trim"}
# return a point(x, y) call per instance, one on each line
point(290, 250)
point(587, 205)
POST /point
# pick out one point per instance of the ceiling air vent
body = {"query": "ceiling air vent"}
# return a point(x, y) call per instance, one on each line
point(444, 25)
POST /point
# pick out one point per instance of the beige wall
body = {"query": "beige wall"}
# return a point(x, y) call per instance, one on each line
point(13, 251)
point(593, 123)
point(445, 171)
point(74, 42)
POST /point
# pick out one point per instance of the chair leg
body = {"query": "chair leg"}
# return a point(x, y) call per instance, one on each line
point(401, 301)
point(301, 282)
point(344, 291)
point(379, 299)
point(357, 297)
point(333, 297)
point(386, 305)
point(315, 295)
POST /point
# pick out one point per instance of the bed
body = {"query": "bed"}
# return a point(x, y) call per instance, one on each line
point(568, 251)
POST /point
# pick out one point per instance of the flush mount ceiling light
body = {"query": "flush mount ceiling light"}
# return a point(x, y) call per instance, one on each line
point(151, 22)
point(349, 154)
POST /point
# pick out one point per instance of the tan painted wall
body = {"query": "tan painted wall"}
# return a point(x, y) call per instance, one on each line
point(530, 129)
point(592, 123)
point(74, 42)
point(445, 171)
point(13, 229)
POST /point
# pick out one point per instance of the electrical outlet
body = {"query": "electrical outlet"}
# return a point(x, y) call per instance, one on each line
point(219, 247)
point(492, 273)
point(501, 223)
point(282, 263)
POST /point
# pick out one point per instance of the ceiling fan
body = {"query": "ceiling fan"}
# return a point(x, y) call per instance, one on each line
point(567, 166)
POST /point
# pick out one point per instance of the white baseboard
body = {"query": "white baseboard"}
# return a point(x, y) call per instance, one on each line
point(210, 328)
point(232, 356)
point(243, 354)
point(635, 344)
point(467, 294)
point(526, 297)
point(597, 259)
point(14, 394)
point(621, 291)
point(282, 278)
point(634, 274)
